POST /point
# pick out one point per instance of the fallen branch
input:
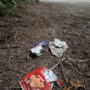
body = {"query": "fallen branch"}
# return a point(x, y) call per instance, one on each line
point(62, 70)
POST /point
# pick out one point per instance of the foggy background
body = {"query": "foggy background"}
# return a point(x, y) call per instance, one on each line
point(76, 1)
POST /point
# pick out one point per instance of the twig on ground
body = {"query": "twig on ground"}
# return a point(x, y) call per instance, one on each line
point(54, 66)
point(70, 65)
point(9, 55)
point(83, 61)
point(25, 68)
point(79, 61)
point(5, 47)
point(62, 70)
point(75, 70)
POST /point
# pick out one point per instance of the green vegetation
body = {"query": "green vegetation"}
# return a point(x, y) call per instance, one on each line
point(6, 5)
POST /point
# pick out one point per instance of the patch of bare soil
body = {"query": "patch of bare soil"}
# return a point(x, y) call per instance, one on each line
point(44, 21)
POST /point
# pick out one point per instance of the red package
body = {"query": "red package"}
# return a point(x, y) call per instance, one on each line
point(36, 80)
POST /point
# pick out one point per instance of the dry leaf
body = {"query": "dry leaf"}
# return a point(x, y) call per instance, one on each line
point(67, 88)
point(77, 84)
point(73, 84)
point(20, 15)
point(1, 81)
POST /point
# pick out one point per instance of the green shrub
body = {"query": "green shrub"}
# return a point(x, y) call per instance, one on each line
point(6, 5)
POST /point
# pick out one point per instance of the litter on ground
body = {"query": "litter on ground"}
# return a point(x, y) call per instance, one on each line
point(36, 50)
point(39, 79)
point(58, 47)
point(44, 43)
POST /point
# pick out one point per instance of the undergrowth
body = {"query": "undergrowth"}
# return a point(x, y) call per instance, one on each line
point(7, 5)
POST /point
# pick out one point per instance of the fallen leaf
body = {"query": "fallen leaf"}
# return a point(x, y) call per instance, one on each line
point(20, 15)
point(75, 85)
point(67, 88)
point(1, 81)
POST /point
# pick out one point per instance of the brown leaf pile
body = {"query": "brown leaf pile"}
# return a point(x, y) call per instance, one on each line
point(77, 84)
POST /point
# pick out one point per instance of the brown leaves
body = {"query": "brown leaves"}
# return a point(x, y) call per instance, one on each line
point(77, 84)
point(67, 88)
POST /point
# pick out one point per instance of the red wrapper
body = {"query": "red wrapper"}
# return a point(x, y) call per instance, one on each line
point(35, 80)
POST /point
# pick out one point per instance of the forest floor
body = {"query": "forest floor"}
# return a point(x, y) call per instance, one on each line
point(45, 21)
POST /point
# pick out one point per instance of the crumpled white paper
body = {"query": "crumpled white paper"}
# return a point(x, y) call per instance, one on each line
point(58, 47)
point(36, 50)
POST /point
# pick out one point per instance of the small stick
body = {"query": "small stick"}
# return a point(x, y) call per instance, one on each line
point(75, 70)
point(54, 66)
point(62, 70)
point(83, 61)
point(25, 68)
point(79, 61)
point(9, 55)
point(72, 67)
point(13, 47)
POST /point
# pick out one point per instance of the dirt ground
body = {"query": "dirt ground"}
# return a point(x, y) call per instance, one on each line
point(44, 21)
